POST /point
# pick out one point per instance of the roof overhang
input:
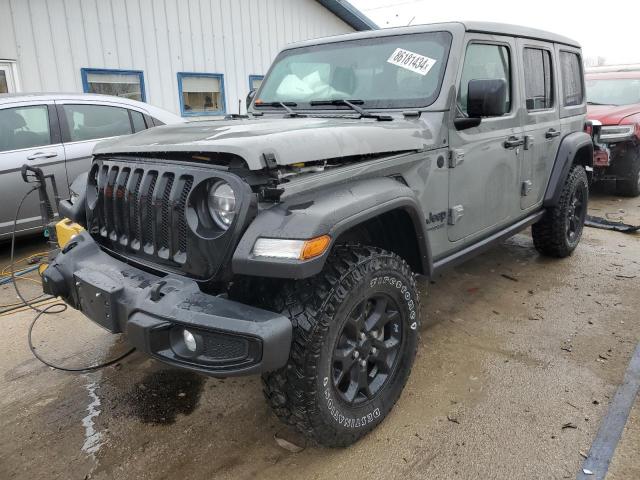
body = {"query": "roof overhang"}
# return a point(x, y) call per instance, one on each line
point(349, 14)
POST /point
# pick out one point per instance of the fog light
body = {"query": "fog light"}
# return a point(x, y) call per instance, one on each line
point(189, 340)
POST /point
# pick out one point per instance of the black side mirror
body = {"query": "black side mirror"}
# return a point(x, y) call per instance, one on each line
point(250, 95)
point(487, 98)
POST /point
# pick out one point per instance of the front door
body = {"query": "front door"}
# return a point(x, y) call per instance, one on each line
point(29, 134)
point(541, 120)
point(483, 175)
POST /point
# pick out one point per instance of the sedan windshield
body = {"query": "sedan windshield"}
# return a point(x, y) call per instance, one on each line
point(614, 91)
point(385, 72)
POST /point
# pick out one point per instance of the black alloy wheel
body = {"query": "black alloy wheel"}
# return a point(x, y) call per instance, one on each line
point(366, 353)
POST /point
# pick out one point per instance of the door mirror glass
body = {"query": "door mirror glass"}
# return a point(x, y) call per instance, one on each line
point(487, 98)
point(250, 95)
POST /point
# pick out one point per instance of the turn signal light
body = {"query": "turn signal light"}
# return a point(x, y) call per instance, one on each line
point(315, 247)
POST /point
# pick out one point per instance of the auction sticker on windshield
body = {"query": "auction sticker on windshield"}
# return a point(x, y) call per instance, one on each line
point(411, 61)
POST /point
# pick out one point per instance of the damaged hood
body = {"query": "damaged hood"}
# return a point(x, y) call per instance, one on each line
point(611, 114)
point(290, 140)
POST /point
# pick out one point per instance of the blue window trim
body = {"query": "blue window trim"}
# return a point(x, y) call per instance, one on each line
point(254, 77)
point(191, 113)
point(85, 71)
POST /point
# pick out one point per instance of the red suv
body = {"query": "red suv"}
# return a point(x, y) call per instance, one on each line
point(613, 100)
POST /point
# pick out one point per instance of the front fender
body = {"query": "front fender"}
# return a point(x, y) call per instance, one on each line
point(569, 149)
point(331, 211)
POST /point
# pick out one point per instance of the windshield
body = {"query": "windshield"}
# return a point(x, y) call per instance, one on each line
point(614, 91)
point(386, 72)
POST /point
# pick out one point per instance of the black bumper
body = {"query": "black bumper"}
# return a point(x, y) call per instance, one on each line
point(152, 311)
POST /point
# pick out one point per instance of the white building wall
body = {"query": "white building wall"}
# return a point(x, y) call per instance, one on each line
point(51, 40)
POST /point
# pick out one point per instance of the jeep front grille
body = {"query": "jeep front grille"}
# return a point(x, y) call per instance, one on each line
point(143, 210)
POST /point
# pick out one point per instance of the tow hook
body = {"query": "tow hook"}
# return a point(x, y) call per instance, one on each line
point(156, 293)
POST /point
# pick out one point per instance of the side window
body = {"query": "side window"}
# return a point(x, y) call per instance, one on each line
point(137, 119)
point(571, 71)
point(88, 122)
point(538, 79)
point(484, 61)
point(24, 127)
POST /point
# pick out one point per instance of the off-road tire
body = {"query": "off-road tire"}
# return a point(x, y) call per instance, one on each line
point(302, 393)
point(630, 185)
point(550, 236)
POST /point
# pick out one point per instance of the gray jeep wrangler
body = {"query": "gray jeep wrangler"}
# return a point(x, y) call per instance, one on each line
point(286, 244)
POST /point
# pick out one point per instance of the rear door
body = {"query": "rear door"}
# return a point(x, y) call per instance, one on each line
point(84, 124)
point(29, 134)
point(484, 171)
point(541, 119)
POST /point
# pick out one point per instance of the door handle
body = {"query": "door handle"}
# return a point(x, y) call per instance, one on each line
point(551, 133)
point(38, 155)
point(513, 142)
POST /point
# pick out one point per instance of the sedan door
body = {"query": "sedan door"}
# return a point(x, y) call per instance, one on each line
point(29, 133)
point(84, 124)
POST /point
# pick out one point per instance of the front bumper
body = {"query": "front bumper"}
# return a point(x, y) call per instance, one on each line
point(153, 311)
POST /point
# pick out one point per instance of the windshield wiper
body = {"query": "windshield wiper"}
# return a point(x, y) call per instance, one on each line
point(352, 105)
point(285, 105)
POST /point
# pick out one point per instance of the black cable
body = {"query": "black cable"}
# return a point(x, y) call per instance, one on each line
point(90, 368)
point(48, 310)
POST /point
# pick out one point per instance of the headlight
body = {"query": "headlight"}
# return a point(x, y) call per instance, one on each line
point(616, 133)
point(222, 204)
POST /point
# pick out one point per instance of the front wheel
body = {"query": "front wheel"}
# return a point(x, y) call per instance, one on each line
point(560, 230)
point(356, 330)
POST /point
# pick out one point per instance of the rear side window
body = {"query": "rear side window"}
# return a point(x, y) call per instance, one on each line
point(538, 79)
point(88, 122)
point(571, 71)
point(137, 119)
point(24, 127)
point(484, 62)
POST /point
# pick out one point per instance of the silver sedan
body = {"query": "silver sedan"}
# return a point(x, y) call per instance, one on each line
point(57, 133)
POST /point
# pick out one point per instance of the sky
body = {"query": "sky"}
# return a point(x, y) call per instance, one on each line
point(604, 29)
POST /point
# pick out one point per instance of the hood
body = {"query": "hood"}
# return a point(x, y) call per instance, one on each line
point(290, 140)
point(611, 114)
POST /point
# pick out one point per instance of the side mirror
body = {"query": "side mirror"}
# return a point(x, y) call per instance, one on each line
point(250, 95)
point(487, 98)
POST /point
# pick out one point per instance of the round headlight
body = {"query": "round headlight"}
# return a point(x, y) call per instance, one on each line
point(222, 204)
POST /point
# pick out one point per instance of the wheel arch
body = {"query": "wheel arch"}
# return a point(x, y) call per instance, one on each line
point(345, 211)
point(575, 149)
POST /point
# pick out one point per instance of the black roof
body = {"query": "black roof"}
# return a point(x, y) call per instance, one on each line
point(349, 14)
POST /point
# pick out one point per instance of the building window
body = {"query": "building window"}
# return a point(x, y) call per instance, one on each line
point(201, 93)
point(4, 86)
point(121, 83)
point(255, 81)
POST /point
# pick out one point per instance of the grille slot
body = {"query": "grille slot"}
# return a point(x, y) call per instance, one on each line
point(143, 210)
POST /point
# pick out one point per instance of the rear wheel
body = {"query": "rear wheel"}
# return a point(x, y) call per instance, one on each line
point(630, 186)
point(355, 337)
point(560, 230)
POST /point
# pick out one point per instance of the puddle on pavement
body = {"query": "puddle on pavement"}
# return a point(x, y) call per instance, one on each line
point(162, 395)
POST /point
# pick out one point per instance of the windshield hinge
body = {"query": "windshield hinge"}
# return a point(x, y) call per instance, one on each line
point(456, 157)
